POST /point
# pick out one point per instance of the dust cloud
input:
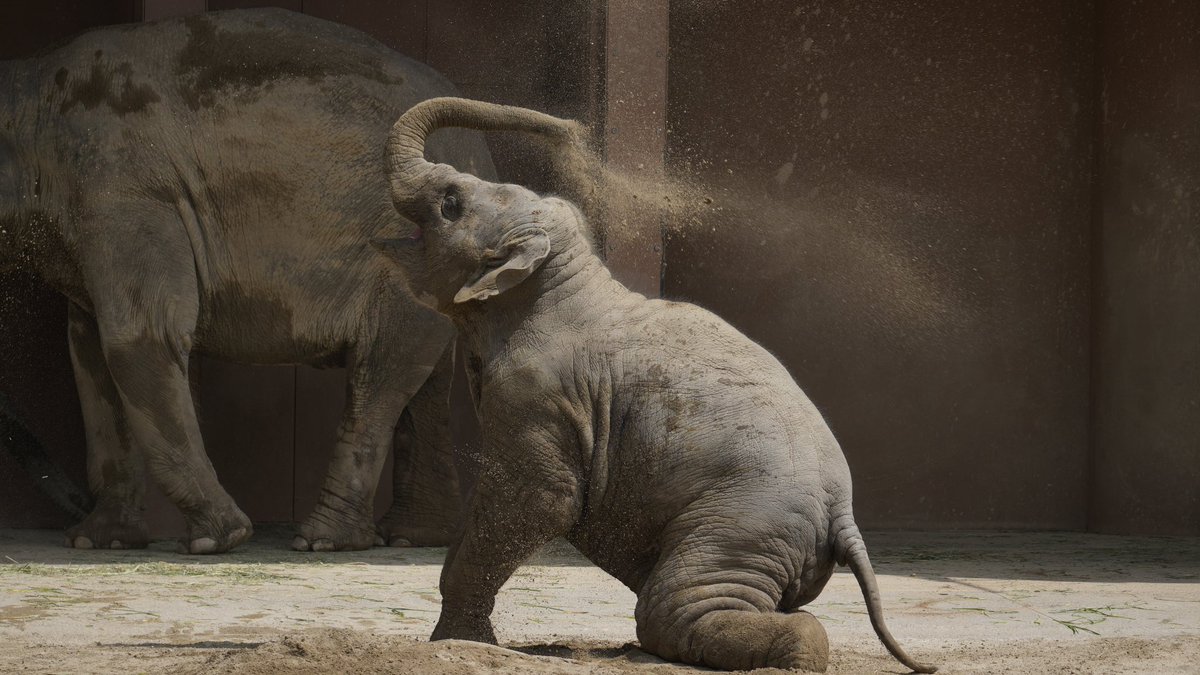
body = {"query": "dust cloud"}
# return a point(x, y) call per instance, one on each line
point(850, 259)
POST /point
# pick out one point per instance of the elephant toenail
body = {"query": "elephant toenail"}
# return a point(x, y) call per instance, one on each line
point(203, 545)
point(238, 536)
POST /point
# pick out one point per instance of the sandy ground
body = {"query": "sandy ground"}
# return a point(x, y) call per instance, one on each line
point(969, 602)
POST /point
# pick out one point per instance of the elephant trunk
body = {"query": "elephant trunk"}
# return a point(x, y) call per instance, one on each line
point(48, 475)
point(406, 161)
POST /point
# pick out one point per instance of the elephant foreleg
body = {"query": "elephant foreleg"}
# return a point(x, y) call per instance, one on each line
point(513, 512)
point(387, 367)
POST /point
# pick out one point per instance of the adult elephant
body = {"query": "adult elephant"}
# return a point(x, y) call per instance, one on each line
point(211, 184)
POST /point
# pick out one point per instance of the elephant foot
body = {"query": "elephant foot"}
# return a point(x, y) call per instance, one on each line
point(324, 531)
point(108, 527)
point(732, 639)
point(399, 529)
point(807, 646)
point(464, 626)
point(217, 533)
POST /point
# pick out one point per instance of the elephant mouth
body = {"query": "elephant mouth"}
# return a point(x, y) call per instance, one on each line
point(417, 235)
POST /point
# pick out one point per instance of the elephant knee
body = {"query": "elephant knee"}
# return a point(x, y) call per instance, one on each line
point(145, 354)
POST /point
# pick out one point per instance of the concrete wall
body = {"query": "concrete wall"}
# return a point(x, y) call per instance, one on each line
point(1147, 300)
point(988, 288)
point(905, 193)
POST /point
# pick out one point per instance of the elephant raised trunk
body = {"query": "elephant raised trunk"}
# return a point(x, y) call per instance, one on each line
point(16, 438)
point(407, 166)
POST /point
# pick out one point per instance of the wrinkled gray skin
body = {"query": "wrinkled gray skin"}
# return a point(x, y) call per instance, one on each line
point(211, 184)
point(671, 450)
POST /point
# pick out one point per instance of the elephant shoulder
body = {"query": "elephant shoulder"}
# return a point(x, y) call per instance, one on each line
point(519, 383)
point(683, 328)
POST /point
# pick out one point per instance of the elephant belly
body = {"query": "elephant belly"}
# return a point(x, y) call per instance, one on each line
point(264, 329)
point(626, 550)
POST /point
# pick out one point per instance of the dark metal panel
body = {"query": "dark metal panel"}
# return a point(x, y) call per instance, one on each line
point(320, 398)
point(294, 5)
point(399, 24)
point(30, 26)
point(153, 10)
point(479, 42)
point(1147, 307)
point(248, 419)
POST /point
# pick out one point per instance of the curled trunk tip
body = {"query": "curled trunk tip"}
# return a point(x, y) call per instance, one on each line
point(406, 143)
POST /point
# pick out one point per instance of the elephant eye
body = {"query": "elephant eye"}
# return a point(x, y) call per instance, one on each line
point(451, 207)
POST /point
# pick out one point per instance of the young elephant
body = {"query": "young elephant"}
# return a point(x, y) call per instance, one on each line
point(671, 450)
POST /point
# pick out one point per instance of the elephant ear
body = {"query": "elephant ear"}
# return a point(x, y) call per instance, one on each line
point(519, 255)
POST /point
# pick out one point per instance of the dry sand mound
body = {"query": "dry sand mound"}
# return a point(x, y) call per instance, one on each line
point(344, 651)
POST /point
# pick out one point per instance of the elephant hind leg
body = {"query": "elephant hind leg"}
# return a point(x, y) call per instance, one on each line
point(115, 472)
point(151, 374)
point(147, 304)
point(714, 602)
point(743, 640)
point(703, 627)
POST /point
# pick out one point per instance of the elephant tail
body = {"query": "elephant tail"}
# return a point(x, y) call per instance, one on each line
point(48, 475)
point(851, 550)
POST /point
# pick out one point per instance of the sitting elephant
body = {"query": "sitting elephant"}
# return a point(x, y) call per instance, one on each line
point(671, 450)
point(211, 184)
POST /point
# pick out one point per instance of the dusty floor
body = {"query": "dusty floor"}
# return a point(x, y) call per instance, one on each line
point(968, 602)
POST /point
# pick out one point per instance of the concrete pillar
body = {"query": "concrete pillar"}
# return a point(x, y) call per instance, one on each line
point(1146, 362)
point(634, 113)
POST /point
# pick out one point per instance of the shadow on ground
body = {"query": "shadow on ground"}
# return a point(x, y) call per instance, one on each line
point(1060, 556)
point(270, 545)
point(1057, 556)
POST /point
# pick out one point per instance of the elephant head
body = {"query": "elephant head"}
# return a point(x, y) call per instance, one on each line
point(475, 239)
